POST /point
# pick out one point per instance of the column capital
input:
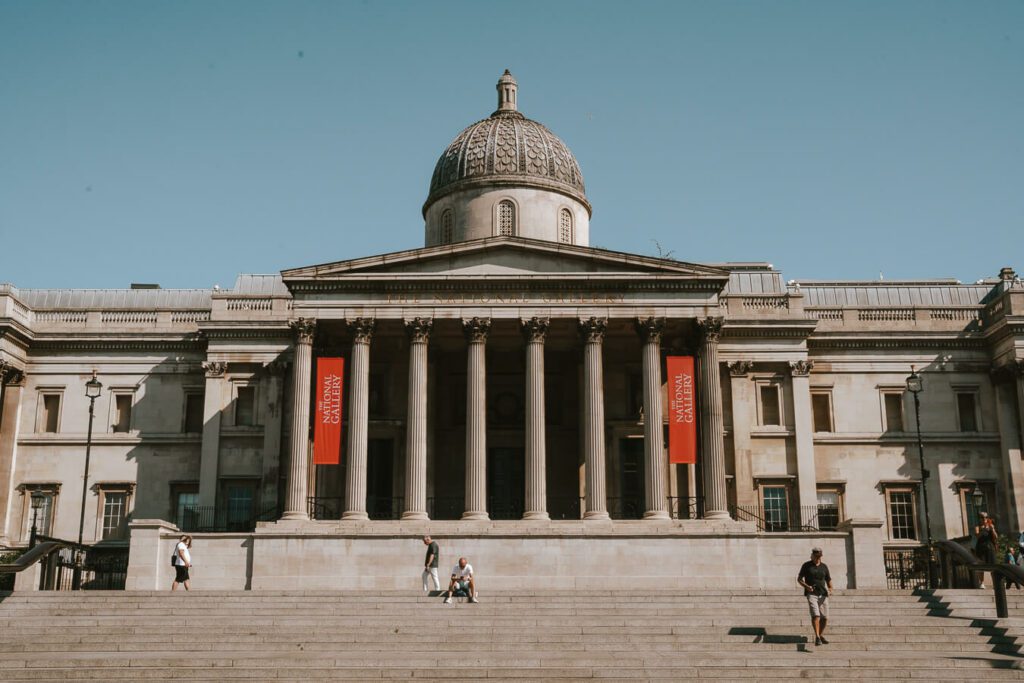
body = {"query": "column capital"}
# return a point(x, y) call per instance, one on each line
point(592, 329)
point(10, 375)
point(215, 369)
point(362, 329)
point(419, 329)
point(304, 329)
point(476, 329)
point(535, 329)
point(650, 328)
point(711, 328)
point(801, 368)
point(740, 368)
point(277, 367)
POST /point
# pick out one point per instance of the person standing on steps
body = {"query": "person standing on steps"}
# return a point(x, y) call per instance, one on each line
point(430, 564)
point(986, 538)
point(816, 581)
point(182, 562)
point(462, 580)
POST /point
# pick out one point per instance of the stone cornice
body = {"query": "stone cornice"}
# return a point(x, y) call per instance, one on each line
point(891, 341)
point(795, 328)
point(193, 343)
point(584, 282)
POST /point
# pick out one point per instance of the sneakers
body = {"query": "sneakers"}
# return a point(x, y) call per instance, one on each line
point(817, 640)
point(824, 640)
point(447, 601)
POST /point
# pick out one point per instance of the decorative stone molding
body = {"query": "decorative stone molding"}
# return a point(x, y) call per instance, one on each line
point(277, 367)
point(362, 329)
point(711, 328)
point(740, 368)
point(592, 329)
point(10, 375)
point(650, 328)
point(801, 368)
point(304, 328)
point(215, 369)
point(419, 329)
point(535, 329)
point(476, 329)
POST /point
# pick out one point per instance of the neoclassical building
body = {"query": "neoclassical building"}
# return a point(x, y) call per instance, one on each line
point(505, 386)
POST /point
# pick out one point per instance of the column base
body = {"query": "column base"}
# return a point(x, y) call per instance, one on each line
point(656, 515)
point(717, 514)
point(414, 515)
point(475, 514)
point(596, 514)
point(357, 515)
point(295, 515)
point(536, 514)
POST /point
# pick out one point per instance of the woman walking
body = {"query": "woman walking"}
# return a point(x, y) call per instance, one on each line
point(986, 539)
point(182, 562)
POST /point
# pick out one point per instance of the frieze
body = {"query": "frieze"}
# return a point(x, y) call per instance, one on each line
point(475, 298)
point(531, 294)
point(535, 329)
point(476, 329)
point(419, 329)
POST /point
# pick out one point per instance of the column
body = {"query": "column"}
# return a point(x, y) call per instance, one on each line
point(742, 417)
point(416, 420)
point(656, 503)
point(712, 425)
point(12, 382)
point(534, 330)
point(273, 397)
point(476, 330)
point(358, 418)
point(216, 397)
point(296, 504)
point(1005, 380)
point(592, 331)
point(803, 425)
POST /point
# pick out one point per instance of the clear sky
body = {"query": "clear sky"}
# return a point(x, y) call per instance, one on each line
point(184, 142)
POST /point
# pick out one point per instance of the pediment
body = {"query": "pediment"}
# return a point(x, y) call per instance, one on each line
point(498, 256)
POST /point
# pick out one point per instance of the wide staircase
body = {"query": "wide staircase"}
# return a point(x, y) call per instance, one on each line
point(564, 635)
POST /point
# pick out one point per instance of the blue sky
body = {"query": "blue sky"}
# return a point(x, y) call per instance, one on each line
point(184, 142)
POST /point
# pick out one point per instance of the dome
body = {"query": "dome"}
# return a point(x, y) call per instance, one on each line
point(507, 149)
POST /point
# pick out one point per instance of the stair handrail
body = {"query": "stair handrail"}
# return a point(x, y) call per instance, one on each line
point(1011, 573)
point(37, 554)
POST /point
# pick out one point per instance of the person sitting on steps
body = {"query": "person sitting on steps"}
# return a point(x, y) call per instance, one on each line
point(462, 580)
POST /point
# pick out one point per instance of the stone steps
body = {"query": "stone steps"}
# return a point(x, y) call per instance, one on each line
point(322, 635)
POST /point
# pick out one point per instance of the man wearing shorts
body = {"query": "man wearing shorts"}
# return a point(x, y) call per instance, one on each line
point(816, 581)
point(462, 579)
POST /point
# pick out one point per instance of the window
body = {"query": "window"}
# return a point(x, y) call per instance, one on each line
point(971, 504)
point(239, 498)
point(51, 413)
point(115, 511)
point(967, 410)
point(44, 515)
point(194, 407)
point(901, 508)
point(185, 505)
point(565, 226)
point(830, 508)
point(122, 412)
point(821, 407)
point(446, 227)
point(775, 498)
point(771, 406)
point(245, 407)
point(893, 406)
point(506, 218)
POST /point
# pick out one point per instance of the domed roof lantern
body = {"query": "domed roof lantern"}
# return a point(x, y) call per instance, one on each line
point(507, 92)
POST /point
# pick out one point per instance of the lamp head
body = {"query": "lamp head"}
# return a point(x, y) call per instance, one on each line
point(93, 387)
point(915, 384)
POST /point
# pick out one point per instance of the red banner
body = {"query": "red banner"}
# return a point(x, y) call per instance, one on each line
point(682, 412)
point(330, 384)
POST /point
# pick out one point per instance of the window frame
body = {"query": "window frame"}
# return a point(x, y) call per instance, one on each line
point(49, 489)
point(884, 391)
point(497, 217)
point(115, 393)
point(447, 226)
point(188, 392)
point(973, 391)
point(786, 485)
point(104, 489)
point(176, 489)
point(827, 393)
point(965, 490)
point(776, 382)
point(840, 492)
point(236, 386)
point(566, 211)
point(41, 413)
point(912, 489)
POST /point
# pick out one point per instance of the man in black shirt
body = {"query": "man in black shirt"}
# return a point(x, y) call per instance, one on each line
point(816, 581)
point(430, 564)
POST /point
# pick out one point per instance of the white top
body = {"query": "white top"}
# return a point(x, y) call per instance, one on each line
point(178, 554)
point(463, 573)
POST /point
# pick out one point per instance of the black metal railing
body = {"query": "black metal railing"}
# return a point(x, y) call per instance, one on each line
point(629, 507)
point(101, 568)
point(682, 507)
point(212, 519)
point(325, 507)
point(385, 507)
point(783, 518)
point(906, 568)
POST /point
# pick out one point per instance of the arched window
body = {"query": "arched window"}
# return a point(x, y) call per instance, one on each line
point(446, 227)
point(506, 218)
point(565, 226)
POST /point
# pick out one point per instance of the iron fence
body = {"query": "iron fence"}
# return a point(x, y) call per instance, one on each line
point(681, 507)
point(784, 518)
point(906, 568)
point(101, 569)
point(212, 519)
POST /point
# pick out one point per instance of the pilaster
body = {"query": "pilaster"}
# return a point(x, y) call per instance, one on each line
point(803, 425)
point(742, 418)
point(12, 382)
point(217, 397)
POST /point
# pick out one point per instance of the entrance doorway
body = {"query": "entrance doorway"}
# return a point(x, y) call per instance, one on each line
point(505, 481)
point(380, 480)
point(630, 504)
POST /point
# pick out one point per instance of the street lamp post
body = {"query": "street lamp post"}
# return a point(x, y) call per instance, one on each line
point(92, 391)
point(915, 385)
point(37, 503)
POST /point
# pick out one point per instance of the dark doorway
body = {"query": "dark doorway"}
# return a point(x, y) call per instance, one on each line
point(630, 503)
point(505, 480)
point(380, 480)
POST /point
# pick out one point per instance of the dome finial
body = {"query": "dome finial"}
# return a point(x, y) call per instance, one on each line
point(507, 88)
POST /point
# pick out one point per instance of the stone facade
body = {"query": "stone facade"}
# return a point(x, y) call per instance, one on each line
point(513, 377)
